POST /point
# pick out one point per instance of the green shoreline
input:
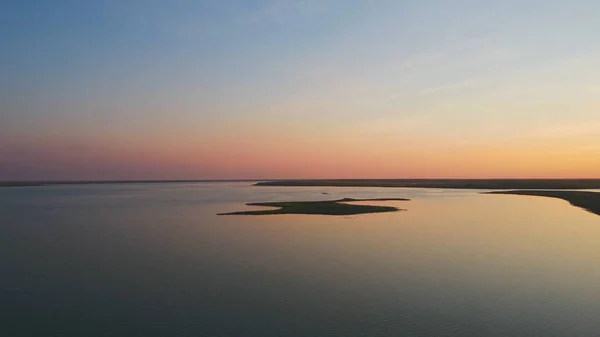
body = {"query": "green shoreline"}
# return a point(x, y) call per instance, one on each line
point(589, 201)
point(326, 207)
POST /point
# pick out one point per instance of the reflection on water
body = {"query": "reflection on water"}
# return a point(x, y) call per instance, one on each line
point(155, 260)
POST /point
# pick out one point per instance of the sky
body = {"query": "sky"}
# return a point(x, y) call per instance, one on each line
point(260, 89)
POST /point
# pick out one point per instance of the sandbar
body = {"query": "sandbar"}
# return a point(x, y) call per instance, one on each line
point(327, 207)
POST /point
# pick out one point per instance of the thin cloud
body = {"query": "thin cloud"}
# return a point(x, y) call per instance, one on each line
point(282, 11)
point(468, 83)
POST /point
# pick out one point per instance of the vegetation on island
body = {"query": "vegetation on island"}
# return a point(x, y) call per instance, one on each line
point(327, 207)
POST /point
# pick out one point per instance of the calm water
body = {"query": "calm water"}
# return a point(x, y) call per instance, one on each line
point(155, 260)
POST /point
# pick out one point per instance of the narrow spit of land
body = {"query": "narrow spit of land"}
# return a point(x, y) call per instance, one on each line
point(327, 207)
point(589, 201)
point(485, 184)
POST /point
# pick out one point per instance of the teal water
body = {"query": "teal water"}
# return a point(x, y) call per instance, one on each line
point(155, 260)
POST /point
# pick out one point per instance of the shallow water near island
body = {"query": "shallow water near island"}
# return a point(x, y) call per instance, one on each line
point(156, 260)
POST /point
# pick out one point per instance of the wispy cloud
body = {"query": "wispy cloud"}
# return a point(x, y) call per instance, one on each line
point(468, 83)
point(282, 11)
point(192, 20)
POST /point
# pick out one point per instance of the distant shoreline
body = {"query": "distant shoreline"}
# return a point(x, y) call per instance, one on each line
point(553, 188)
point(589, 201)
point(102, 182)
point(484, 184)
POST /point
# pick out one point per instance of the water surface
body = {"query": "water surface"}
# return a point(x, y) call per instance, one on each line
point(156, 260)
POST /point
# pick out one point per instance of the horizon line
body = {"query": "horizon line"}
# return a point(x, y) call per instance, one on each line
point(106, 181)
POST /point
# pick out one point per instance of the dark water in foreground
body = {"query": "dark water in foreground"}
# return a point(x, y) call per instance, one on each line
point(155, 260)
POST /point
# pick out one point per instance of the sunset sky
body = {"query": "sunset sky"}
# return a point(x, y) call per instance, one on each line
point(258, 89)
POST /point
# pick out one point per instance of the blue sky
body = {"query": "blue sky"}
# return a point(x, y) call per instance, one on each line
point(187, 75)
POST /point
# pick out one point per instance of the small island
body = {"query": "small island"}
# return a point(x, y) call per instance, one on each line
point(327, 207)
point(589, 201)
